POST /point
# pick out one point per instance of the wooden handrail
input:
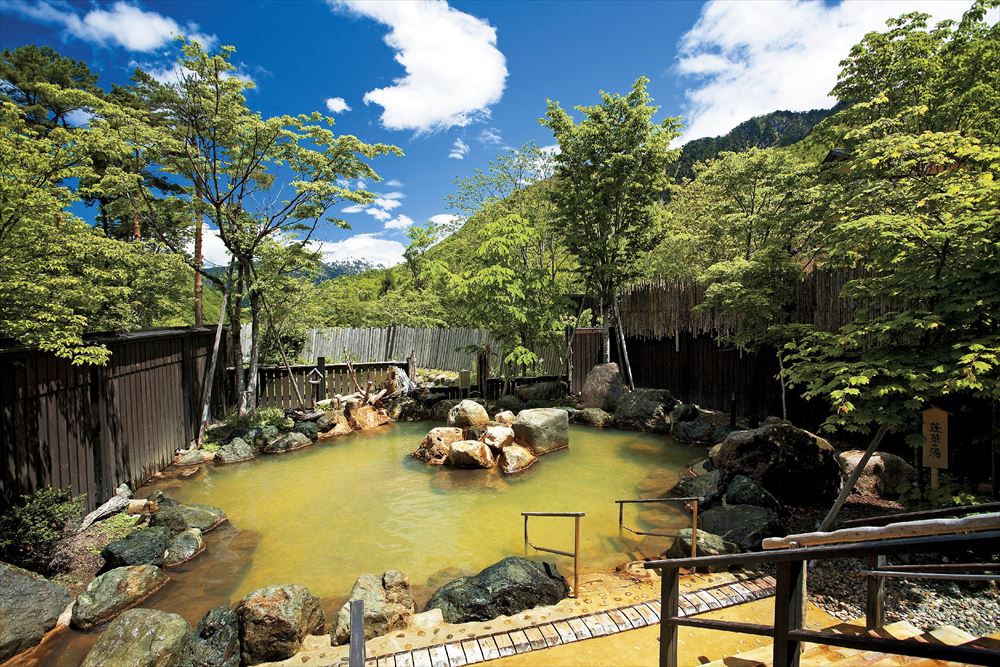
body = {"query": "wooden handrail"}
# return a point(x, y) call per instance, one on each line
point(923, 514)
point(787, 632)
point(575, 554)
point(694, 500)
point(893, 530)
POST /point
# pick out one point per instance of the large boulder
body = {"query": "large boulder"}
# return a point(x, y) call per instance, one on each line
point(504, 588)
point(185, 546)
point(366, 417)
point(684, 412)
point(307, 428)
point(603, 387)
point(404, 409)
point(595, 417)
point(216, 641)
point(468, 413)
point(542, 430)
point(437, 443)
point(141, 638)
point(497, 437)
point(235, 451)
point(645, 410)
point(796, 466)
point(515, 458)
point(140, 547)
point(441, 409)
point(509, 403)
point(708, 545)
point(470, 454)
point(505, 417)
point(113, 592)
point(388, 606)
point(203, 517)
point(744, 491)
point(275, 620)
point(698, 431)
point(746, 525)
point(287, 443)
point(885, 475)
point(708, 487)
point(542, 391)
point(30, 605)
point(332, 424)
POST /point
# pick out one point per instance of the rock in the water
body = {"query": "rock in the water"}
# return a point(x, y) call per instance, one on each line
point(708, 545)
point(203, 517)
point(746, 525)
point(162, 499)
point(275, 620)
point(744, 491)
point(113, 592)
point(287, 443)
point(216, 642)
point(30, 605)
point(235, 451)
point(694, 431)
point(542, 430)
point(645, 410)
point(140, 547)
point(470, 454)
point(193, 457)
point(388, 606)
point(603, 387)
point(684, 412)
point(468, 413)
point(498, 437)
point(542, 391)
point(507, 587)
point(185, 546)
point(885, 475)
point(141, 638)
point(505, 417)
point(307, 429)
point(436, 445)
point(796, 466)
point(595, 417)
point(169, 518)
point(441, 409)
point(366, 417)
point(515, 458)
point(259, 436)
point(404, 409)
point(509, 403)
point(708, 487)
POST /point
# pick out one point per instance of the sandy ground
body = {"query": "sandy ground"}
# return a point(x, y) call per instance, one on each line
point(640, 647)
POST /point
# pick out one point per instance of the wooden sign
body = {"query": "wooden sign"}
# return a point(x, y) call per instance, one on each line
point(935, 432)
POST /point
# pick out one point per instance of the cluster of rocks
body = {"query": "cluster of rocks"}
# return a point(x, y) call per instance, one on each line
point(511, 443)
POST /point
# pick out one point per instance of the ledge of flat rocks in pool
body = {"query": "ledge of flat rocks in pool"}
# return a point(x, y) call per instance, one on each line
point(113, 592)
point(30, 606)
point(504, 588)
point(141, 638)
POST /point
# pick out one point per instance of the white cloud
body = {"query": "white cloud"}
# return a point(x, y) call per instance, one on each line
point(750, 58)
point(122, 24)
point(394, 183)
point(443, 219)
point(393, 195)
point(336, 105)
point(361, 185)
point(491, 136)
point(353, 208)
point(386, 204)
point(454, 72)
point(399, 222)
point(458, 150)
point(363, 246)
point(378, 213)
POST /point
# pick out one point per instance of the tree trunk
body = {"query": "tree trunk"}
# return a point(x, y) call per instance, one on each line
point(136, 235)
point(209, 380)
point(605, 336)
point(250, 404)
point(784, 388)
point(235, 308)
point(198, 284)
point(626, 366)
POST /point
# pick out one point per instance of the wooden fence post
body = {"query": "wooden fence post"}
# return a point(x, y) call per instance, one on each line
point(411, 366)
point(874, 610)
point(789, 608)
point(321, 387)
point(669, 598)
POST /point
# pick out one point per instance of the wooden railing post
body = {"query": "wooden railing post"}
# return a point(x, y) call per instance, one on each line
point(356, 654)
point(669, 597)
point(789, 610)
point(576, 557)
point(321, 387)
point(874, 610)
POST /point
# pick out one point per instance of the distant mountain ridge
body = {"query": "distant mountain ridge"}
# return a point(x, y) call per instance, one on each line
point(346, 267)
point(778, 128)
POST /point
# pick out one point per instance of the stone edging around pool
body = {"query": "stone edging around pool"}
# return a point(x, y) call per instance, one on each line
point(576, 628)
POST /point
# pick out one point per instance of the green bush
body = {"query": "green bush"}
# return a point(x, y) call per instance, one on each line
point(30, 530)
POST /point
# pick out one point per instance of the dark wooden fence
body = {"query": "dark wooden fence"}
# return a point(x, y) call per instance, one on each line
point(276, 388)
point(587, 350)
point(91, 428)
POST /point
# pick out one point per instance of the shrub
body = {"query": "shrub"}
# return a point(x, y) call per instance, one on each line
point(30, 530)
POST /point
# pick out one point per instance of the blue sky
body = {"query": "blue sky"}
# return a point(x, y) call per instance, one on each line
point(453, 83)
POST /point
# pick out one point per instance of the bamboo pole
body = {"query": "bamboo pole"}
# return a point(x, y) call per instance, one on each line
point(852, 480)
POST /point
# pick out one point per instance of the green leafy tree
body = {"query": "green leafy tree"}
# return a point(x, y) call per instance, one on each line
point(27, 70)
point(610, 172)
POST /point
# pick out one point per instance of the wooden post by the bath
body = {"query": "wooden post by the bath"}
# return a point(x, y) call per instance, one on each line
point(576, 558)
point(357, 645)
point(321, 387)
point(694, 529)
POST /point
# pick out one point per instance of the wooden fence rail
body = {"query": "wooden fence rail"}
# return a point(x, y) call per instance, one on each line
point(92, 428)
point(276, 387)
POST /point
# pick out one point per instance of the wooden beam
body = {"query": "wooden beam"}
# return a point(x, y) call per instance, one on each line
point(897, 530)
